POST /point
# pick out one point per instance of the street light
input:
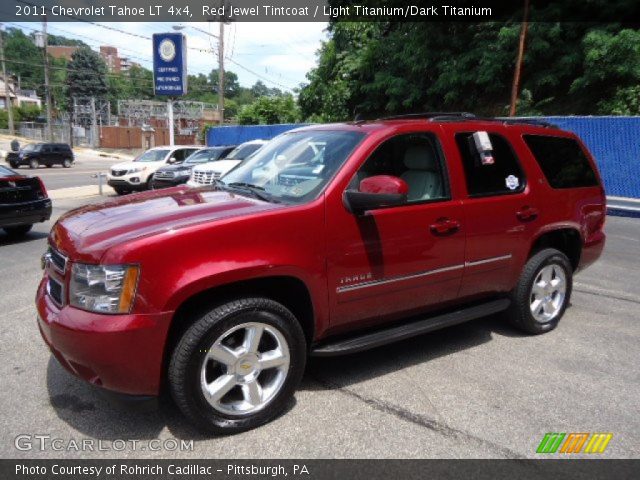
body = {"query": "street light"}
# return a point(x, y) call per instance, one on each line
point(220, 38)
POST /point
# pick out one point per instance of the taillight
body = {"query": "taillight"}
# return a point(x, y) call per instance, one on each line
point(42, 188)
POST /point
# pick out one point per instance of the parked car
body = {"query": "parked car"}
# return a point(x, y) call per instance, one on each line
point(208, 173)
point(23, 202)
point(385, 230)
point(47, 154)
point(137, 175)
point(173, 175)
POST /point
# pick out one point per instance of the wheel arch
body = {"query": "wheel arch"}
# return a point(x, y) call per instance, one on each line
point(566, 239)
point(288, 290)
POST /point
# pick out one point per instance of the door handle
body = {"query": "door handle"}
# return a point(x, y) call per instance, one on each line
point(444, 226)
point(526, 214)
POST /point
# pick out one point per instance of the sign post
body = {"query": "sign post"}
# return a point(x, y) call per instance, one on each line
point(170, 70)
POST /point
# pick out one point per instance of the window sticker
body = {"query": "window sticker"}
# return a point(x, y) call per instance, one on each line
point(512, 182)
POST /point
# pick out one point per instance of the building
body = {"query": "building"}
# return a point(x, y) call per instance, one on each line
point(10, 93)
point(61, 51)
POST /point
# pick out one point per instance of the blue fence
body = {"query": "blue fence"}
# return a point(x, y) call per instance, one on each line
point(234, 135)
point(613, 141)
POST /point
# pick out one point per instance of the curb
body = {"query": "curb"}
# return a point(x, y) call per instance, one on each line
point(80, 192)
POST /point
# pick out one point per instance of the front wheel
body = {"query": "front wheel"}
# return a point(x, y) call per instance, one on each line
point(14, 164)
point(542, 295)
point(34, 164)
point(238, 365)
point(66, 163)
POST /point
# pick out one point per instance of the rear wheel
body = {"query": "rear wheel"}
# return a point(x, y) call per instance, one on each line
point(18, 230)
point(541, 297)
point(66, 163)
point(34, 164)
point(238, 365)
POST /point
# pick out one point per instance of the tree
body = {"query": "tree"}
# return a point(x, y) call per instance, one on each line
point(87, 75)
point(382, 68)
point(269, 110)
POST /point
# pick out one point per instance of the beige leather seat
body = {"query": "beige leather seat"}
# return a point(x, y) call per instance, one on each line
point(423, 174)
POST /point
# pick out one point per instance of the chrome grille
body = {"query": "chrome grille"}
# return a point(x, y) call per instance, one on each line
point(55, 291)
point(205, 178)
point(159, 175)
point(58, 260)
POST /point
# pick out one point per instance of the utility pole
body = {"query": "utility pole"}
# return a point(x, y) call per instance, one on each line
point(170, 120)
point(93, 122)
point(47, 89)
point(515, 88)
point(221, 71)
point(7, 92)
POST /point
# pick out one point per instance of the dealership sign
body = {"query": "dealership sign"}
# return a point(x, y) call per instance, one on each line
point(169, 64)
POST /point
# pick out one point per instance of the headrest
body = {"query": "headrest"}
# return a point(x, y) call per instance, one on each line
point(420, 157)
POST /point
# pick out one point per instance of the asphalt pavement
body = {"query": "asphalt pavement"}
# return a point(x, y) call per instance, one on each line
point(475, 390)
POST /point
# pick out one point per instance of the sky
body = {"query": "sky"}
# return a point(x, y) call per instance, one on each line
point(279, 54)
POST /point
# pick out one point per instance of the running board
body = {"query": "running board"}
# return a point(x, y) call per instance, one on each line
point(394, 334)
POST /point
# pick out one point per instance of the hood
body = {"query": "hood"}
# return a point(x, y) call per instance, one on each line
point(87, 232)
point(130, 165)
point(218, 165)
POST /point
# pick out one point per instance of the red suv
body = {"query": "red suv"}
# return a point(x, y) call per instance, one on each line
point(332, 239)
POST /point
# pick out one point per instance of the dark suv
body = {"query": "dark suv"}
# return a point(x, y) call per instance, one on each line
point(331, 239)
point(47, 154)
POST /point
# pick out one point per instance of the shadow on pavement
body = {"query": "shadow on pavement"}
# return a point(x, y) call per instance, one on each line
point(29, 237)
point(337, 372)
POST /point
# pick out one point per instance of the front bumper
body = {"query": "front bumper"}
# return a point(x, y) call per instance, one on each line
point(121, 353)
point(26, 213)
point(125, 183)
point(166, 183)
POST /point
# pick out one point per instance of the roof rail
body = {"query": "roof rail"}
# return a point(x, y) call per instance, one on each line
point(430, 115)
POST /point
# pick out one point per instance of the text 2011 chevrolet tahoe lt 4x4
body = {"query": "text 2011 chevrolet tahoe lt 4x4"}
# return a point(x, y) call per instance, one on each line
point(332, 239)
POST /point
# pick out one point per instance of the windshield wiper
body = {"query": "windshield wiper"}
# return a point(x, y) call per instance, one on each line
point(256, 190)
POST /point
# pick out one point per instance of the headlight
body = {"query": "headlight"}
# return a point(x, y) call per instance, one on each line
point(103, 288)
point(183, 173)
point(136, 170)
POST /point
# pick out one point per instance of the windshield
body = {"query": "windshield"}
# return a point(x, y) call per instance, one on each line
point(32, 147)
point(152, 156)
point(203, 156)
point(295, 167)
point(243, 151)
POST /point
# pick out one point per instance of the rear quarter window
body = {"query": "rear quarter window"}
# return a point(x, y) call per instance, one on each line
point(562, 161)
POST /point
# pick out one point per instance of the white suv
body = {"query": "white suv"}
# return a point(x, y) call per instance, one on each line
point(208, 173)
point(137, 174)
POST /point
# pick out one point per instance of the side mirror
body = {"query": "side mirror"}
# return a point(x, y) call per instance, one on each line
point(172, 160)
point(375, 192)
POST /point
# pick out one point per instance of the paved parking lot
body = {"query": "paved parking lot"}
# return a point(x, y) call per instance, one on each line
point(87, 163)
point(474, 390)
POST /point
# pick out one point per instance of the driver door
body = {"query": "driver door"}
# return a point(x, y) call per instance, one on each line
point(396, 261)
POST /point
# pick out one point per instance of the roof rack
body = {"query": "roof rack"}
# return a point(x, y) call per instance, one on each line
point(431, 115)
point(466, 116)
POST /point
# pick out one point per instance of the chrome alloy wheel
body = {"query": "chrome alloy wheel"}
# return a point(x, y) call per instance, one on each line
point(245, 368)
point(548, 293)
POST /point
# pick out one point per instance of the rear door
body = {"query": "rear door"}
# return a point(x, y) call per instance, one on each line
point(500, 211)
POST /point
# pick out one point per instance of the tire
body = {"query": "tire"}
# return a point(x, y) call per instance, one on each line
point(34, 164)
point(119, 191)
point(18, 231)
point(243, 406)
point(14, 165)
point(543, 292)
point(66, 163)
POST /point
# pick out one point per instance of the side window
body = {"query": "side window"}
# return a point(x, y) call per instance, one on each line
point(503, 176)
point(46, 149)
point(562, 161)
point(417, 159)
point(179, 155)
